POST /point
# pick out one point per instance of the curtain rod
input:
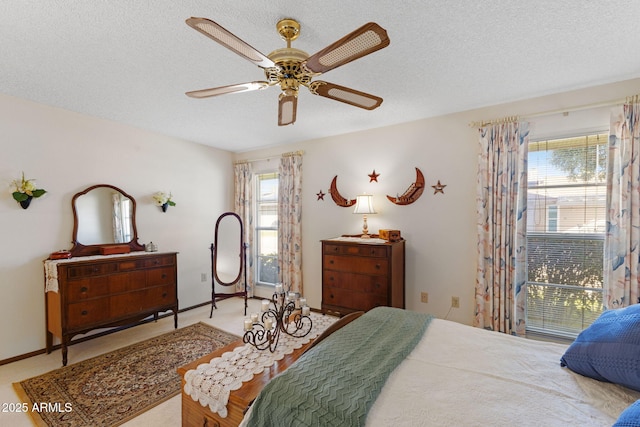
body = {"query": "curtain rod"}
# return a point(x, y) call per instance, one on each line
point(564, 111)
point(289, 154)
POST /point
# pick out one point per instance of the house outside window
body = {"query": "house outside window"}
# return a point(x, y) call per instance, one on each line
point(566, 199)
point(266, 229)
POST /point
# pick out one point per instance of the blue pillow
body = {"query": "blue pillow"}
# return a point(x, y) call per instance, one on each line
point(630, 417)
point(609, 349)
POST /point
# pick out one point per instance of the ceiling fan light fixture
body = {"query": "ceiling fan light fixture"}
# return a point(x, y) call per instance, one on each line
point(289, 29)
point(287, 109)
point(223, 90)
point(291, 68)
point(288, 54)
point(352, 98)
point(227, 39)
point(351, 49)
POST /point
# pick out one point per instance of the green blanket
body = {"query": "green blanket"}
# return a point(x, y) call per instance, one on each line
point(336, 382)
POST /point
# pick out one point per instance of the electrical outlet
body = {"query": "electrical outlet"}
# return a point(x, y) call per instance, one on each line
point(203, 277)
point(424, 297)
point(455, 302)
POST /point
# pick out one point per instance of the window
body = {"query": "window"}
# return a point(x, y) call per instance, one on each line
point(266, 238)
point(552, 218)
point(566, 199)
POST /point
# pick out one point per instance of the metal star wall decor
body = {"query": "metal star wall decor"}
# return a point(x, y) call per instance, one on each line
point(438, 188)
point(320, 195)
point(373, 176)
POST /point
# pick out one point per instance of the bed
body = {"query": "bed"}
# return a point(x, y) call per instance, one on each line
point(455, 375)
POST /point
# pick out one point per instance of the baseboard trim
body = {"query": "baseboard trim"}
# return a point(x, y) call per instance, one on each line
point(99, 334)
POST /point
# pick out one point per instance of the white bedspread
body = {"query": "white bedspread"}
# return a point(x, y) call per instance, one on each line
point(463, 376)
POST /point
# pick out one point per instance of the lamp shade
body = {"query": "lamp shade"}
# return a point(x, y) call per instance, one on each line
point(364, 204)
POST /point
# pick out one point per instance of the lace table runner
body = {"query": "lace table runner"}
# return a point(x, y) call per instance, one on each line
point(51, 266)
point(211, 383)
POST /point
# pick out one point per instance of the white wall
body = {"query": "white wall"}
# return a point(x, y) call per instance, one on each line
point(67, 152)
point(440, 229)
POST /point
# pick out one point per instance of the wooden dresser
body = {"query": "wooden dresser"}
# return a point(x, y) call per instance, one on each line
point(360, 276)
point(106, 291)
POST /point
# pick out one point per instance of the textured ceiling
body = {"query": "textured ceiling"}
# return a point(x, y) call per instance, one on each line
point(132, 61)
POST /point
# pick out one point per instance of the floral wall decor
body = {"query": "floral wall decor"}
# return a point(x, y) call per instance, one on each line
point(25, 191)
point(163, 200)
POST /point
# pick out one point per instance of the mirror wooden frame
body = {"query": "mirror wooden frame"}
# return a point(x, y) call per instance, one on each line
point(242, 270)
point(79, 249)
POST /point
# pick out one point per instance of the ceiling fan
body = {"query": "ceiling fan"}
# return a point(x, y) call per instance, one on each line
point(291, 68)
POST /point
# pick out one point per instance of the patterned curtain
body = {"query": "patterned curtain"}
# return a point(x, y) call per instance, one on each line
point(621, 266)
point(501, 209)
point(290, 222)
point(243, 180)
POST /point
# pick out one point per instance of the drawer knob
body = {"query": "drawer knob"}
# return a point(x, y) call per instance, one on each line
point(84, 312)
point(378, 266)
point(164, 275)
point(331, 296)
point(96, 269)
point(156, 262)
point(84, 289)
point(330, 261)
point(164, 295)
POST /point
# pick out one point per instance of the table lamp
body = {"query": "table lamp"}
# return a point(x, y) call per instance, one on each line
point(364, 206)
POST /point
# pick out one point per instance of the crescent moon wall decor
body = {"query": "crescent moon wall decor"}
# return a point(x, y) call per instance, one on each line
point(412, 193)
point(337, 197)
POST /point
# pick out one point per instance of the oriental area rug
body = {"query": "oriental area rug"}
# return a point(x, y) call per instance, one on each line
point(113, 388)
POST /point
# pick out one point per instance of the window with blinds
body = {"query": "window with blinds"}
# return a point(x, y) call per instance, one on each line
point(266, 228)
point(566, 200)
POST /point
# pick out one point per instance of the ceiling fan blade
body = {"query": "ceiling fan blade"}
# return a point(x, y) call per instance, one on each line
point(287, 106)
point(230, 41)
point(345, 94)
point(363, 41)
point(222, 90)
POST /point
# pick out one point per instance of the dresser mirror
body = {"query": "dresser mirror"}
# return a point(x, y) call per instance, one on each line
point(103, 216)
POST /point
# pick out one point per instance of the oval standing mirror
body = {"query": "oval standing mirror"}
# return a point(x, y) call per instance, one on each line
point(228, 258)
point(103, 216)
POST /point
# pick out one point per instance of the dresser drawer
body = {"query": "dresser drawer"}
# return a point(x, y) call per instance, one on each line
point(356, 282)
point(94, 287)
point(357, 250)
point(364, 265)
point(352, 300)
point(83, 313)
point(114, 307)
point(161, 276)
point(90, 270)
point(159, 260)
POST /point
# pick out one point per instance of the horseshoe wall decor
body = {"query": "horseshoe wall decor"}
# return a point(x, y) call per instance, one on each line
point(337, 197)
point(412, 193)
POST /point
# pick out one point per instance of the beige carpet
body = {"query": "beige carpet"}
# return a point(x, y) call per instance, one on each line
point(110, 389)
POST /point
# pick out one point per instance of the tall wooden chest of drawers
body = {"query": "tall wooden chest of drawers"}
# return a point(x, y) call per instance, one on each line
point(83, 294)
point(360, 276)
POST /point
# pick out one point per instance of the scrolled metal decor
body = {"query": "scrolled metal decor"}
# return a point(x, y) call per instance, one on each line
point(283, 313)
